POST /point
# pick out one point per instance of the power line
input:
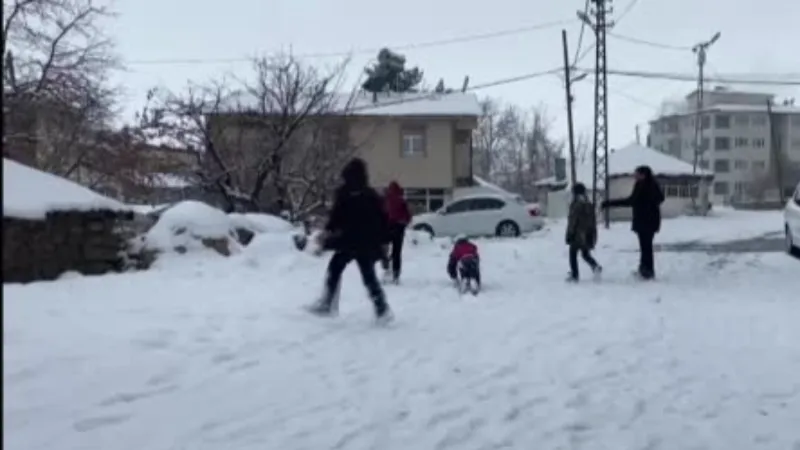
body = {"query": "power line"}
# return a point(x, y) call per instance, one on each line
point(628, 9)
point(649, 43)
point(436, 95)
point(693, 78)
point(580, 35)
point(372, 51)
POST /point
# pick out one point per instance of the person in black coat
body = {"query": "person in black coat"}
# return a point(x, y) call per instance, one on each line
point(645, 201)
point(357, 229)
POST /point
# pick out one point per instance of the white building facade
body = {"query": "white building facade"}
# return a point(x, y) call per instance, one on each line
point(735, 143)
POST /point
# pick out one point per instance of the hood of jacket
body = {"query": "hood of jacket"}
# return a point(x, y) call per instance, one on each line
point(394, 190)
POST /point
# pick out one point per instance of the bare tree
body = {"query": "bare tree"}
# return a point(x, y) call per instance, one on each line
point(486, 138)
point(55, 82)
point(273, 143)
point(583, 148)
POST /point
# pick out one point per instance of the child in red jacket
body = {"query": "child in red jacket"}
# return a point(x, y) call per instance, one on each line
point(463, 265)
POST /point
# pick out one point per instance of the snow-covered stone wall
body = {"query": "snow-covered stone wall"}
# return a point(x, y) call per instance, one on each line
point(88, 242)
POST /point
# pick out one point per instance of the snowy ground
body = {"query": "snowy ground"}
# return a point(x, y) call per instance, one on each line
point(214, 354)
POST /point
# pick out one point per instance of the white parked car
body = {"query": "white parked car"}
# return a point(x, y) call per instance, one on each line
point(791, 217)
point(481, 215)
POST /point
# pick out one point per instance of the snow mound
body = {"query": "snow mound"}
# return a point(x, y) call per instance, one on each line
point(30, 194)
point(260, 223)
point(192, 226)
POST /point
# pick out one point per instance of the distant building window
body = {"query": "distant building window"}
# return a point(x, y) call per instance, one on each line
point(704, 143)
point(758, 121)
point(740, 142)
point(413, 141)
point(741, 189)
point(741, 121)
point(679, 189)
point(740, 165)
point(722, 166)
point(721, 188)
point(704, 164)
point(722, 121)
point(705, 122)
point(722, 143)
point(759, 142)
point(759, 165)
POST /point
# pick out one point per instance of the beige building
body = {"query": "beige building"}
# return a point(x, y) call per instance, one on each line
point(736, 141)
point(422, 141)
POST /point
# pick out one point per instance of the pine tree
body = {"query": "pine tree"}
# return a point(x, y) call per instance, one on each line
point(389, 74)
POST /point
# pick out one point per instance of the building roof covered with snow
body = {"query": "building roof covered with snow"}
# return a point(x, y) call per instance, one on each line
point(624, 161)
point(427, 104)
point(30, 194)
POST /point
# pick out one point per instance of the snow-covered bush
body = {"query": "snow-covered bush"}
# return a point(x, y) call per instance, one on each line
point(260, 223)
point(191, 226)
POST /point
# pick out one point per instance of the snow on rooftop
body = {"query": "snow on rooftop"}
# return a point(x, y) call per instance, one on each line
point(625, 160)
point(394, 104)
point(30, 194)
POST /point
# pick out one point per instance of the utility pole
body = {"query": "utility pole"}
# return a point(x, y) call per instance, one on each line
point(570, 125)
point(600, 155)
point(638, 137)
point(700, 50)
point(777, 161)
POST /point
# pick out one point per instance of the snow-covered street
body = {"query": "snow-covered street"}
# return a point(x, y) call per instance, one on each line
point(217, 353)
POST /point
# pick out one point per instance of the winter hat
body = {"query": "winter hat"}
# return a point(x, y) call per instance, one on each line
point(579, 189)
point(645, 171)
point(354, 173)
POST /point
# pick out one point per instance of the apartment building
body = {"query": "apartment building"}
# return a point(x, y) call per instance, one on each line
point(735, 142)
point(422, 141)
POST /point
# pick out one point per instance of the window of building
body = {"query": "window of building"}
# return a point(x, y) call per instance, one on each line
point(740, 142)
point(758, 120)
point(741, 121)
point(722, 121)
point(679, 189)
point(740, 190)
point(721, 188)
point(705, 122)
point(722, 166)
point(672, 125)
point(722, 143)
point(740, 165)
point(704, 164)
point(704, 143)
point(413, 141)
point(759, 165)
point(759, 142)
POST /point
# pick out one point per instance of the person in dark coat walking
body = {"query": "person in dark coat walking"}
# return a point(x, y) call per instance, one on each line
point(357, 229)
point(581, 232)
point(645, 201)
point(399, 217)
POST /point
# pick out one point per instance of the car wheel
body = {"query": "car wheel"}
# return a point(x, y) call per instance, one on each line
point(424, 227)
point(507, 228)
point(791, 248)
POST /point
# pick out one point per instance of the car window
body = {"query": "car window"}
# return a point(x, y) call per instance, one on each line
point(459, 207)
point(488, 204)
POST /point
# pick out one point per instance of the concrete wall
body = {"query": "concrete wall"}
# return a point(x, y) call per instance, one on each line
point(85, 242)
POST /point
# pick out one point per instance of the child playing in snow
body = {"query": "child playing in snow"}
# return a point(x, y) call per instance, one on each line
point(581, 232)
point(463, 265)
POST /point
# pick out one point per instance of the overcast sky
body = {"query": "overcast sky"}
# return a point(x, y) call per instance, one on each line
point(758, 38)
